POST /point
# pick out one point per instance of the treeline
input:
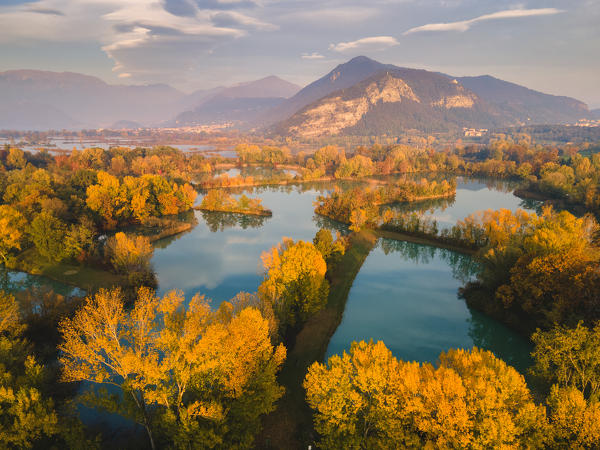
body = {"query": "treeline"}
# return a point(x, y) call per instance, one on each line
point(220, 201)
point(56, 209)
point(361, 207)
point(369, 399)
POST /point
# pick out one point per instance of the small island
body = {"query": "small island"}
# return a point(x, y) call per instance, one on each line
point(217, 200)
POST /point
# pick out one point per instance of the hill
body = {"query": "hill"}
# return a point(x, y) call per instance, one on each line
point(33, 99)
point(392, 101)
point(240, 103)
point(341, 77)
point(523, 104)
point(378, 103)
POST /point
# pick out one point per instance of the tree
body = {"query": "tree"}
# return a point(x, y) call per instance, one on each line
point(191, 377)
point(26, 415)
point(12, 230)
point(106, 199)
point(16, 158)
point(48, 235)
point(294, 281)
point(368, 399)
point(575, 421)
point(129, 254)
point(330, 250)
point(569, 357)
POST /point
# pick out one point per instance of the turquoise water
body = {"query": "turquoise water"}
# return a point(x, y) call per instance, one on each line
point(405, 294)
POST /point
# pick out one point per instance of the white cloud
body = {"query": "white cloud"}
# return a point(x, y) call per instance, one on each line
point(464, 25)
point(140, 36)
point(124, 75)
point(370, 43)
point(313, 55)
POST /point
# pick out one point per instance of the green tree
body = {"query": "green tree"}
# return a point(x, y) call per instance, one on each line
point(48, 235)
point(569, 357)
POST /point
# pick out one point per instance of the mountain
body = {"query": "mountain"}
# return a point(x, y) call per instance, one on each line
point(343, 76)
point(523, 104)
point(391, 101)
point(596, 113)
point(67, 100)
point(239, 103)
point(379, 102)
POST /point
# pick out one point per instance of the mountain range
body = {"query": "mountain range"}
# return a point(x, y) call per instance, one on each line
point(361, 96)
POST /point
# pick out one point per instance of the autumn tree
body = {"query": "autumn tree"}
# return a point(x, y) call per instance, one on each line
point(12, 230)
point(27, 417)
point(129, 253)
point(191, 376)
point(368, 399)
point(294, 281)
point(575, 421)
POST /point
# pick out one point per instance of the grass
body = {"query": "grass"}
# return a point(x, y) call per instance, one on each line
point(290, 425)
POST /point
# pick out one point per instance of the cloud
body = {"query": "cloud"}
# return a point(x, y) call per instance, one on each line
point(51, 12)
point(313, 55)
point(464, 25)
point(370, 43)
point(124, 75)
point(236, 19)
point(147, 39)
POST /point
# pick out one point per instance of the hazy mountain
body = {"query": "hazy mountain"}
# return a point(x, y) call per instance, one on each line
point(391, 101)
point(596, 113)
point(343, 76)
point(57, 100)
point(526, 105)
point(239, 103)
point(221, 109)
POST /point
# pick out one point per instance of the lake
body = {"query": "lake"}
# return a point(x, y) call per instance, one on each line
point(405, 294)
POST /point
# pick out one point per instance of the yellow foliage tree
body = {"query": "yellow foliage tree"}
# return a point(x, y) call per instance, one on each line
point(295, 281)
point(12, 230)
point(129, 253)
point(191, 378)
point(368, 399)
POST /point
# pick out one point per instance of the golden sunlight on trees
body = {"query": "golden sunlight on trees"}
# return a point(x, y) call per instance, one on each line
point(368, 399)
point(129, 253)
point(26, 415)
point(191, 376)
point(295, 281)
point(12, 226)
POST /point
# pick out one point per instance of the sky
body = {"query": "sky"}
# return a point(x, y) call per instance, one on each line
point(552, 46)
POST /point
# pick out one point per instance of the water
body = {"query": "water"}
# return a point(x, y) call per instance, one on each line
point(13, 282)
point(405, 294)
point(55, 144)
point(221, 255)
